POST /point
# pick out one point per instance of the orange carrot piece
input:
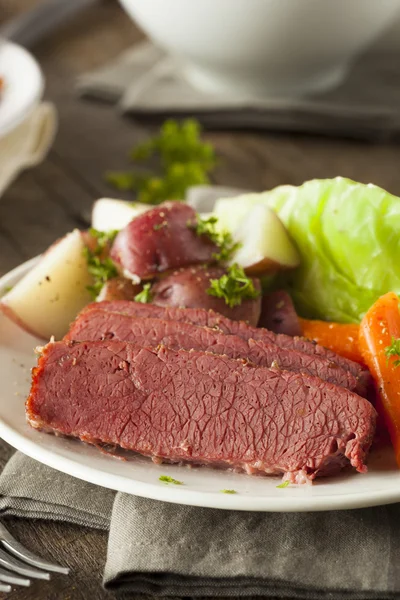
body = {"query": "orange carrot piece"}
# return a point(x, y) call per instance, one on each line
point(340, 338)
point(379, 329)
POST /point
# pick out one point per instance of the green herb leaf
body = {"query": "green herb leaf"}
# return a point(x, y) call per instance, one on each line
point(228, 492)
point(394, 350)
point(175, 143)
point(227, 247)
point(101, 268)
point(234, 286)
point(145, 296)
point(123, 181)
point(284, 484)
point(207, 226)
point(167, 479)
point(104, 239)
point(222, 239)
point(8, 288)
point(184, 159)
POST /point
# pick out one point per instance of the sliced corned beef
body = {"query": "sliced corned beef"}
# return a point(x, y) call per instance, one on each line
point(209, 318)
point(103, 325)
point(199, 407)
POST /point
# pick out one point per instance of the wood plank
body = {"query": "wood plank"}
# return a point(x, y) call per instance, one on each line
point(40, 219)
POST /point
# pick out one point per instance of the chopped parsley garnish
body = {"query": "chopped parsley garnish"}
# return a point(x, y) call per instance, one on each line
point(184, 160)
point(394, 350)
point(234, 286)
point(104, 239)
point(222, 239)
point(284, 484)
point(145, 296)
point(228, 491)
point(206, 227)
point(167, 479)
point(100, 267)
point(101, 270)
point(6, 289)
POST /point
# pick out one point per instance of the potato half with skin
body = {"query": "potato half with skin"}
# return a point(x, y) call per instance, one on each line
point(265, 245)
point(49, 297)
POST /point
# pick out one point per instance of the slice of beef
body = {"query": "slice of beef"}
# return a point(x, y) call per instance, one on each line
point(160, 239)
point(187, 288)
point(210, 318)
point(103, 325)
point(202, 408)
point(278, 314)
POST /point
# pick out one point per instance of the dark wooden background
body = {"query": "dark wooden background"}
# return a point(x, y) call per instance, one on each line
point(54, 198)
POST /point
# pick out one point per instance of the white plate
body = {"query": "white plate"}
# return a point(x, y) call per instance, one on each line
point(139, 476)
point(23, 85)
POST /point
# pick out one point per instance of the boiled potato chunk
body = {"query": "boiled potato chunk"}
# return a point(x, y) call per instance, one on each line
point(109, 214)
point(232, 211)
point(265, 245)
point(49, 297)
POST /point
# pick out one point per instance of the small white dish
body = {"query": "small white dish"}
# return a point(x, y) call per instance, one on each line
point(139, 476)
point(23, 85)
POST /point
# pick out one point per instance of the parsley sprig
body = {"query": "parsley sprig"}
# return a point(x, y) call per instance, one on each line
point(234, 286)
point(100, 266)
point(104, 239)
point(284, 484)
point(145, 296)
point(184, 160)
point(394, 350)
point(222, 239)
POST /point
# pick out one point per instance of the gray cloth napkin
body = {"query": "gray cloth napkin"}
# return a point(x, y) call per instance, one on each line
point(144, 81)
point(164, 549)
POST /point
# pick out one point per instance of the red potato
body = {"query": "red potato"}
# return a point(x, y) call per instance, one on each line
point(118, 288)
point(278, 314)
point(159, 240)
point(187, 288)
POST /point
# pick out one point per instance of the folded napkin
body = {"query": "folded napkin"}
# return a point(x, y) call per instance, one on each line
point(27, 144)
point(145, 81)
point(164, 549)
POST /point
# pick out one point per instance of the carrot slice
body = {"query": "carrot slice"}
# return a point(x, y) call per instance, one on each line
point(379, 332)
point(340, 338)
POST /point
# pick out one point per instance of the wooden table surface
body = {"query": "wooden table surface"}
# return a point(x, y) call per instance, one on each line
point(55, 197)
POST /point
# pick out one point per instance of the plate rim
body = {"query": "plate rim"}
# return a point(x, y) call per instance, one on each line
point(177, 494)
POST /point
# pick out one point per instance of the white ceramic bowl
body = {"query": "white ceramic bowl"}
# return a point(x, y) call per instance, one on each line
point(23, 85)
point(259, 47)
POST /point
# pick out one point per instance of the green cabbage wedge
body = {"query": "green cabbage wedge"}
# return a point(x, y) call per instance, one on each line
point(348, 236)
